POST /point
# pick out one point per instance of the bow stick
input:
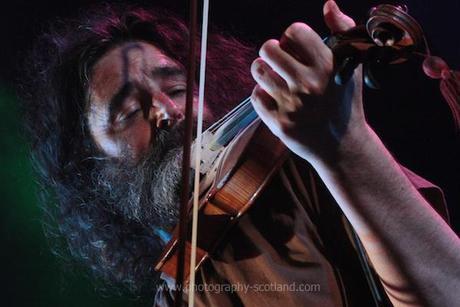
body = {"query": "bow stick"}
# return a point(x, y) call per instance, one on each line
point(185, 189)
point(186, 160)
point(198, 146)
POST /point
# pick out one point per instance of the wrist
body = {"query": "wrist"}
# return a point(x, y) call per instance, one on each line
point(358, 143)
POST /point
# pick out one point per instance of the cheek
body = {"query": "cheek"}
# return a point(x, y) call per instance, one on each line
point(132, 142)
point(136, 140)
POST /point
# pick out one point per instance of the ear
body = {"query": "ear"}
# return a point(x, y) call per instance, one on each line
point(335, 20)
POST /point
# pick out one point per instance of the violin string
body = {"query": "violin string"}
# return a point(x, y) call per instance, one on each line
point(204, 38)
point(233, 126)
point(229, 115)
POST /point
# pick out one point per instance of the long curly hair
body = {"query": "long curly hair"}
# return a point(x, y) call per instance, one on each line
point(116, 250)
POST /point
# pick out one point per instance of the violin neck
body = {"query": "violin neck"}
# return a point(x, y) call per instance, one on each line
point(218, 136)
point(226, 128)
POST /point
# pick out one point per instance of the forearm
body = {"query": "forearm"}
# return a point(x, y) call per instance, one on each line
point(415, 253)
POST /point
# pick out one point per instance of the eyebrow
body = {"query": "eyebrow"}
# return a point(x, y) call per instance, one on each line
point(166, 71)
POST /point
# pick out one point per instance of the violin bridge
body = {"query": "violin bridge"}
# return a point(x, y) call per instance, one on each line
point(208, 156)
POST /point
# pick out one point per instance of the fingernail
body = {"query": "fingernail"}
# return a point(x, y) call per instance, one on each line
point(260, 70)
point(261, 66)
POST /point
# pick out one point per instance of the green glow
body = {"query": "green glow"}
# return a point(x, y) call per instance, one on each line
point(31, 275)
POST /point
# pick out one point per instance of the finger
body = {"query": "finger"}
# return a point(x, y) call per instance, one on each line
point(275, 86)
point(269, 80)
point(335, 20)
point(305, 45)
point(265, 106)
point(285, 65)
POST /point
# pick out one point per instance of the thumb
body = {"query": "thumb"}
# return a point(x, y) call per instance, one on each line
point(335, 20)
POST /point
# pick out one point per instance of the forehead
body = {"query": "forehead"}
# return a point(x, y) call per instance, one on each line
point(126, 62)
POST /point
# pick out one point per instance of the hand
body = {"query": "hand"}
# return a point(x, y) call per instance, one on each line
point(296, 95)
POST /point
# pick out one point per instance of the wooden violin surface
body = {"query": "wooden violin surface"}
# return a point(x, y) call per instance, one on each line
point(242, 175)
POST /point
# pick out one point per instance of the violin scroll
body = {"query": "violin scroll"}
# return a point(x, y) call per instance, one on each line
point(390, 25)
point(390, 36)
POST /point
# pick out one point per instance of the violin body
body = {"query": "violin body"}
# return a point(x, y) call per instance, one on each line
point(247, 166)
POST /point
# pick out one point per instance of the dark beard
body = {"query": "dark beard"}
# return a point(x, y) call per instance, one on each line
point(147, 192)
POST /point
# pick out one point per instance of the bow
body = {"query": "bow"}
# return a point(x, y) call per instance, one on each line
point(187, 147)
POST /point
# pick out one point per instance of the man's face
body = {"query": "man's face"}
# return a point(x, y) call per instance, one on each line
point(135, 114)
point(135, 91)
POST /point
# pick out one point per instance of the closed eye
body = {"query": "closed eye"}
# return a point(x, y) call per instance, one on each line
point(131, 114)
point(176, 92)
point(125, 116)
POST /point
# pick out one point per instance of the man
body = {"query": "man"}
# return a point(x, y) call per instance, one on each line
point(106, 124)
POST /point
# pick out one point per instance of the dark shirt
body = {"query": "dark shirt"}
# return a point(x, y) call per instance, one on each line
point(294, 247)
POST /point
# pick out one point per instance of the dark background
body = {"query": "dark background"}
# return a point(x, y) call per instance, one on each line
point(408, 113)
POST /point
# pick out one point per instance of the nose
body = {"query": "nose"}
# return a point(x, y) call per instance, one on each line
point(163, 112)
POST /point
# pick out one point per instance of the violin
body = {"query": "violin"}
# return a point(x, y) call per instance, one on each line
point(239, 155)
